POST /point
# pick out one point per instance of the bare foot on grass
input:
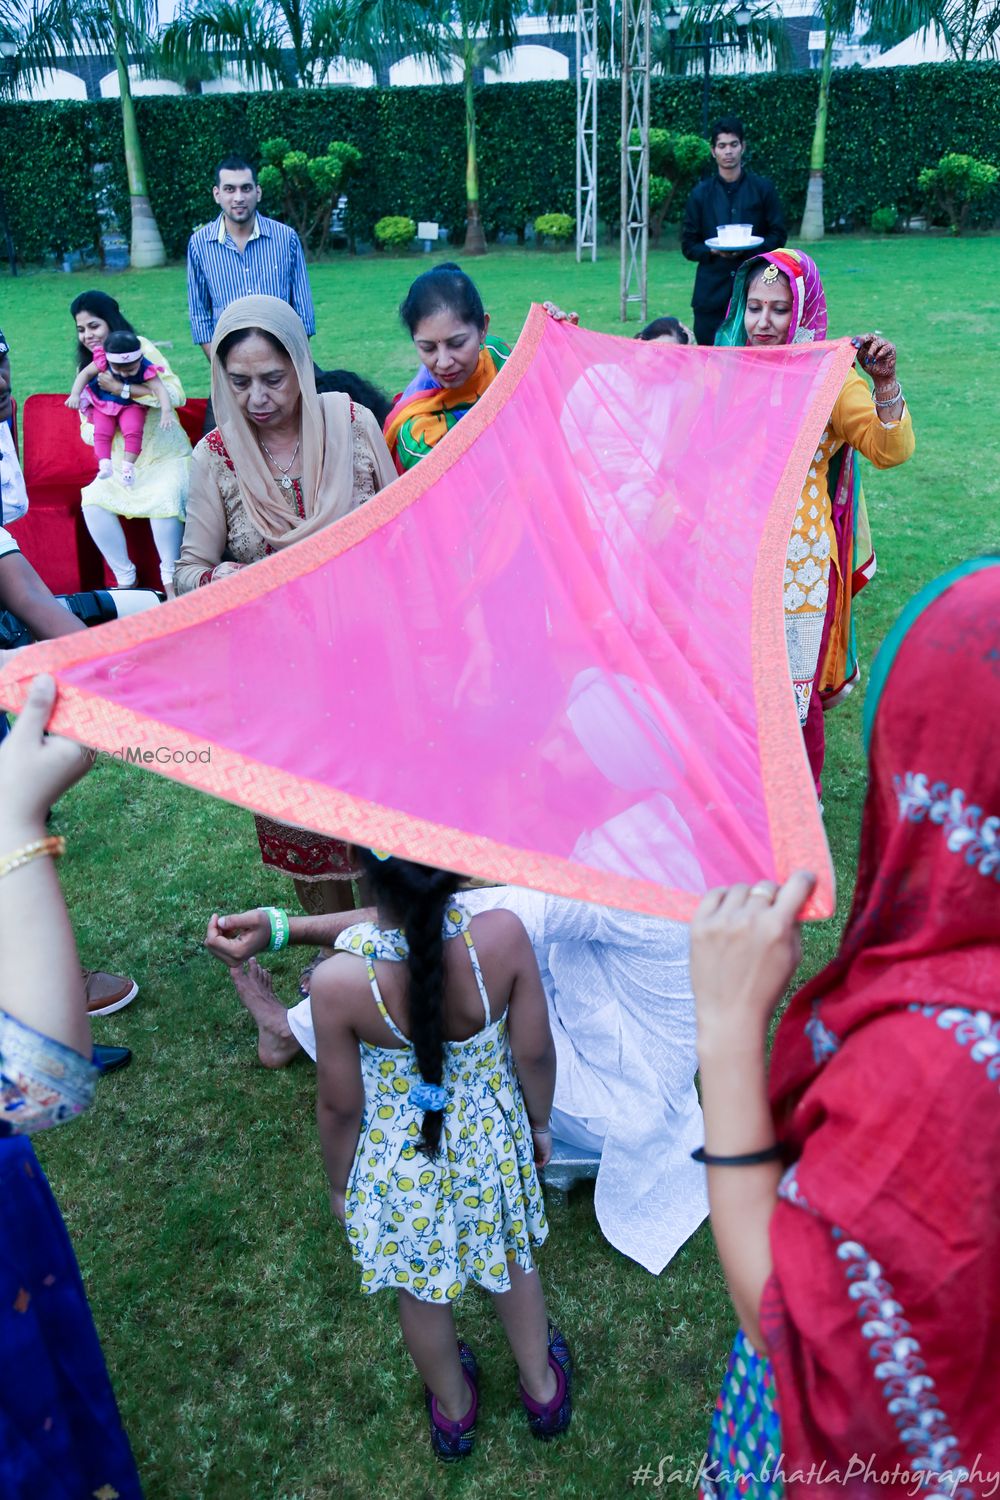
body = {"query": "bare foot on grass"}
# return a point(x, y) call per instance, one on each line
point(276, 1046)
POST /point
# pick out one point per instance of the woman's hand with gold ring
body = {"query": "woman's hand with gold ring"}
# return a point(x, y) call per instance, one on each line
point(764, 888)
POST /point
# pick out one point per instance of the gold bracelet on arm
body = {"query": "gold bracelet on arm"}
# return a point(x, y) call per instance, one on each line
point(54, 844)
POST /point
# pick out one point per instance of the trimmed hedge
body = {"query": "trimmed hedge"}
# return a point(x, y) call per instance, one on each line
point(884, 126)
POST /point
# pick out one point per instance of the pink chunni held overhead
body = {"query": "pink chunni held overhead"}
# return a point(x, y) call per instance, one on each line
point(552, 654)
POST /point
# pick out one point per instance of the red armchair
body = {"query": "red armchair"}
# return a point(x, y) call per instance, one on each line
point(57, 464)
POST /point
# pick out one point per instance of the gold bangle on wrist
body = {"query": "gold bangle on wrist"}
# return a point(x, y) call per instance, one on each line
point(54, 844)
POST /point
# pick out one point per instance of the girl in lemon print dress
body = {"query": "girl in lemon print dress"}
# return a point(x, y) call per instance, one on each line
point(430, 1138)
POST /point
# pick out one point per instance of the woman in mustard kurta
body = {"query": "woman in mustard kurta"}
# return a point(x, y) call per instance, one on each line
point(778, 299)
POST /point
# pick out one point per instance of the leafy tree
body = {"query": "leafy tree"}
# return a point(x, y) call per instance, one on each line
point(675, 164)
point(765, 37)
point(956, 184)
point(45, 30)
point(306, 188)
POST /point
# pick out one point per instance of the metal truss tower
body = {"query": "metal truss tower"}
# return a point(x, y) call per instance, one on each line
point(586, 128)
point(635, 154)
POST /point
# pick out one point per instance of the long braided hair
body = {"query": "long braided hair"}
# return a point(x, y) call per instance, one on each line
point(417, 896)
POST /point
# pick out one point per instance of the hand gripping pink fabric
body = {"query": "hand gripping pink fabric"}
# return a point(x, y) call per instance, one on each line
point(552, 654)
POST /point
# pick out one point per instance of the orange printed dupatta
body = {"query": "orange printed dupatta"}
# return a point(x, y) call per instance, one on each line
point(429, 411)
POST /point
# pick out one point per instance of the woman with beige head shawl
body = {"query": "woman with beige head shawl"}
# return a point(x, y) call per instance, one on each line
point(282, 463)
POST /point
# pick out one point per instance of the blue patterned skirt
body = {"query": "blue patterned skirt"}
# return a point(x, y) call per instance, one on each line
point(744, 1443)
point(61, 1437)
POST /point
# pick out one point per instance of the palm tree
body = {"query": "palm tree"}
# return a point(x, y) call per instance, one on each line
point(279, 43)
point(970, 29)
point(44, 30)
point(841, 18)
point(470, 33)
point(485, 31)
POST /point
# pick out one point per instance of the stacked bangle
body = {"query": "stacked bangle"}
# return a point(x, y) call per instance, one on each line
point(53, 844)
point(891, 400)
point(540, 1129)
point(280, 928)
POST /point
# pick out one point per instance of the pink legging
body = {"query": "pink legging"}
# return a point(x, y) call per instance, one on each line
point(131, 419)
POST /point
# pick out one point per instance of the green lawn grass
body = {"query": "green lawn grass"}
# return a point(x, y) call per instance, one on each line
point(245, 1361)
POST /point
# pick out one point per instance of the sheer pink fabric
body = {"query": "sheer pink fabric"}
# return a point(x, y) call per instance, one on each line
point(552, 654)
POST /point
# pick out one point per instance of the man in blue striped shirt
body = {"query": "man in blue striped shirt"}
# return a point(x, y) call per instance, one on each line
point(241, 253)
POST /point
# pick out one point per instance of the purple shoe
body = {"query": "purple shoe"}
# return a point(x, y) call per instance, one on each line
point(454, 1440)
point(549, 1420)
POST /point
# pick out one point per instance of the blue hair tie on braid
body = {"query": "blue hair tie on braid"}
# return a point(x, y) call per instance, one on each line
point(432, 1096)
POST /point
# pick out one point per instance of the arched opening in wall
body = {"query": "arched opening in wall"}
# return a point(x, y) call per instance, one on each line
point(416, 70)
point(138, 84)
point(529, 63)
point(233, 80)
point(57, 83)
point(345, 74)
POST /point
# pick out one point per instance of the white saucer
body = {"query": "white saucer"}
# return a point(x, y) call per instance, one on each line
point(751, 244)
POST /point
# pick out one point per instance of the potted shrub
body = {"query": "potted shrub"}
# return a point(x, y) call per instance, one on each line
point(555, 230)
point(395, 232)
point(885, 220)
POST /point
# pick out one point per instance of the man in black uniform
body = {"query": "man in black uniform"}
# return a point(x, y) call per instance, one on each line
point(733, 195)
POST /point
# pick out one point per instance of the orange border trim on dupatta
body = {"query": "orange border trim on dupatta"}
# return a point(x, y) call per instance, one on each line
point(228, 774)
point(797, 843)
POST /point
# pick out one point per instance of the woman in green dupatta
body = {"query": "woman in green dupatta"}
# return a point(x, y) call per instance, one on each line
point(778, 299)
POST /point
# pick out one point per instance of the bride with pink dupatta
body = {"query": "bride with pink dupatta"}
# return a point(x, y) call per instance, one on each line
point(283, 463)
point(778, 299)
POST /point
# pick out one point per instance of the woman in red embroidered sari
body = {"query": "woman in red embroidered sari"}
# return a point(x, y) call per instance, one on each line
point(865, 1270)
point(282, 463)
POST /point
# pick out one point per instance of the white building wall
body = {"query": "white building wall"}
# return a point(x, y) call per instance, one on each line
point(56, 84)
point(138, 84)
point(529, 63)
point(416, 70)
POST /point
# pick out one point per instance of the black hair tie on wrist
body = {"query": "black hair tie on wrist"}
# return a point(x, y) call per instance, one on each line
point(751, 1159)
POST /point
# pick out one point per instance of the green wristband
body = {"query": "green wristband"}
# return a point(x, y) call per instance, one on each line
point(280, 928)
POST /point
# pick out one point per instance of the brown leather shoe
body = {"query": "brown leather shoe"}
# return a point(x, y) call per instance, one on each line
point(107, 993)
